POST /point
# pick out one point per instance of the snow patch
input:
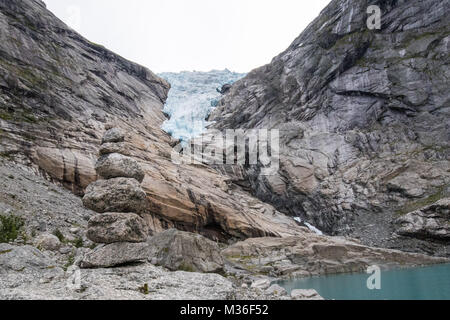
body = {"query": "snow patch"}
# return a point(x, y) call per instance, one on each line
point(309, 226)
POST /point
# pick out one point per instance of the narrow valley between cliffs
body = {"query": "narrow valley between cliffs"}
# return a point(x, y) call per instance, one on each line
point(118, 183)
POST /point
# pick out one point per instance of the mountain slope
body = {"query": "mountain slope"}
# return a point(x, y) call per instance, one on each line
point(58, 94)
point(58, 90)
point(363, 116)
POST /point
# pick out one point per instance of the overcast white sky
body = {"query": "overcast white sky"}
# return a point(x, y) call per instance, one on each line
point(178, 35)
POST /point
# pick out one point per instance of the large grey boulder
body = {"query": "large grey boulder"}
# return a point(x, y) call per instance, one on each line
point(116, 166)
point(117, 227)
point(178, 250)
point(431, 222)
point(277, 290)
point(48, 242)
point(116, 195)
point(115, 254)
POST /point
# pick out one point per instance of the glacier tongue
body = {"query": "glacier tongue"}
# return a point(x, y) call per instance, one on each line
point(192, 97)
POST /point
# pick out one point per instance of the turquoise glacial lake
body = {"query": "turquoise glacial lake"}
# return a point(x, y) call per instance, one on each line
point(427, 283)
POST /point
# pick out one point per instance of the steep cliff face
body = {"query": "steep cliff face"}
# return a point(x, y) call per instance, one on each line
point(59, 93)
point(363, 117)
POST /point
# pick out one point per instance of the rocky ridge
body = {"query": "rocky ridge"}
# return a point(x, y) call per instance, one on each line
point(363, 117)
point(62, 94)
point(59, 93)
point(432, 222)
point(38, 265)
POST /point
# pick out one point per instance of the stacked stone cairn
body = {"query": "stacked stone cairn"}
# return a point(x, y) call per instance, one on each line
point(121, 203)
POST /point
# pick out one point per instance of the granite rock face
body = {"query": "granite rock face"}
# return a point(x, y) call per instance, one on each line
point(363, 117)
point(431, 222)
point(177, 250)
point(59, 93)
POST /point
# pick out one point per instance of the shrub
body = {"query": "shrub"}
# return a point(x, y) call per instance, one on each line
point(57, 233)
point(10, 227)
point(78, 243)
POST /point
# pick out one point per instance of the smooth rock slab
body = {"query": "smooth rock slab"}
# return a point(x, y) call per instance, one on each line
point(116, 195)
point(23, 258)
point(115, 254)
point(177, 250)
point(117, 227)
point(121, 283)
point(305, 295)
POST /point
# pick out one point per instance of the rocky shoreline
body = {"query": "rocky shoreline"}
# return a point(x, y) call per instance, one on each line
point(93, 205)
point(174, 264)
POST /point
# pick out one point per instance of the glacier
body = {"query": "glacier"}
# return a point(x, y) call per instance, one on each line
point(192, 97)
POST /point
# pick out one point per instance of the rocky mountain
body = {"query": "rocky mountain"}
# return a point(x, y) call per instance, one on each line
point(358, 143)
point(58, 94)
point(364, 120)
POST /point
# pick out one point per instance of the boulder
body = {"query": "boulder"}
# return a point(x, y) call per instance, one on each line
point(309, 294)
point(116, 165)
point(117, 227)
point(262, 284)
point(113, 135)
point(115, 254)
point(110, 147)
point(116, 195)
point(276, 290)
point(48, 242)
point(177, 250)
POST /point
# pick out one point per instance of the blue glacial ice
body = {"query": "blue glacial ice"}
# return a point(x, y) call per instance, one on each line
point(191, 99)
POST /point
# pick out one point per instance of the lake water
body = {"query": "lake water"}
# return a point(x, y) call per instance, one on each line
point(428, 283)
